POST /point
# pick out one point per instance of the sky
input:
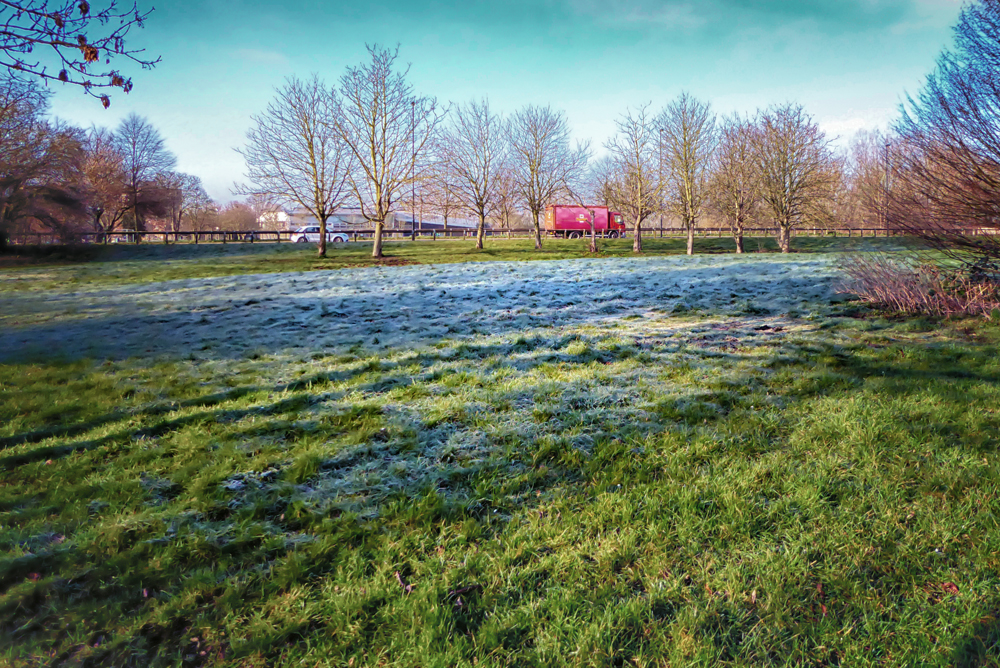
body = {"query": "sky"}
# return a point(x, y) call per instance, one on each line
point(849, 62)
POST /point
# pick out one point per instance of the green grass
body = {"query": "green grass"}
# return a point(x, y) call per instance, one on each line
point(153, 262)
point(653, 492)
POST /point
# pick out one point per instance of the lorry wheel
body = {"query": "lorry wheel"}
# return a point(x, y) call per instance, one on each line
point(613, 235)
point(574, 235)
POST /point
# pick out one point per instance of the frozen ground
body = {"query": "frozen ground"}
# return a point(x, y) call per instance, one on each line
point(391, 306)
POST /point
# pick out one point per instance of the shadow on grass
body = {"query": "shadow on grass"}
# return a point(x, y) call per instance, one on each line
point(197, 569)
point(982, 649)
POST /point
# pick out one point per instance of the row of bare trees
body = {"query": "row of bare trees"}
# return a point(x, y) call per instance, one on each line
point(63, 180)
point(372, 142)
point(776, 168)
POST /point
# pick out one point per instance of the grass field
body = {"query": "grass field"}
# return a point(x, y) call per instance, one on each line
point(146, 263)
point(781, 483)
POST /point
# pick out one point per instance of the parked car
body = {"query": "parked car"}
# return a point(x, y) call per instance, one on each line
point(310, 234)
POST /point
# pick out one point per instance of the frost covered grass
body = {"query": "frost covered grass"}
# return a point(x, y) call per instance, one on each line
point(148, 263)
point(378, 308)
point(773, 480)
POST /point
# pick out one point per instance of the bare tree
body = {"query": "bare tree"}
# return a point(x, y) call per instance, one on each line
point(688, 135)
point(542, 159)
point(185, 194)
point(507, 196)
point(797, 168)
point(862, 186)
point(387, 128)
point(946, 168)
point(439, 192)
point(144, 158)
point(266, 210)
point(601, 182)
point(632, 184)
point(295, 154)
point(474, 153)
point(40, 165)
point(204, 217)
point(104, 181)
point(61, 29)
point(734, 182)
point(237, 216)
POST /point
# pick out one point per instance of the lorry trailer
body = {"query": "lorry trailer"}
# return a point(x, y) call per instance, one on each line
point(573, 222)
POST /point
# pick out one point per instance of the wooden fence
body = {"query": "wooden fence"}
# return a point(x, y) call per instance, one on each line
point(231, 236)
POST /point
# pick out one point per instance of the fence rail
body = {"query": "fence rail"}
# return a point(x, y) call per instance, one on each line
point(260, 236)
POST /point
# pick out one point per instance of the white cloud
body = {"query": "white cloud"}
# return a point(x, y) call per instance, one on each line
point(263, 57)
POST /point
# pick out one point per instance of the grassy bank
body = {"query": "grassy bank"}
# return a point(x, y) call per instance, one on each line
point(665, 491)
point(151, 262)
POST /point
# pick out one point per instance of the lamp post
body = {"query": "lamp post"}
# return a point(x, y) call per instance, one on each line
point(659, 197)
point(413, 170)
point(885, 190)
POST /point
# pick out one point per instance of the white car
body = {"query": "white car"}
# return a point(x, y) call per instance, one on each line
point(310, 234)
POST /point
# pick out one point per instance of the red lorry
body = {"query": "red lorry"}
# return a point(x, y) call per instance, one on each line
point(573, 222)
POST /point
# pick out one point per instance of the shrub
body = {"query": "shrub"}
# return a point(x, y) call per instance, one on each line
point(910, 284)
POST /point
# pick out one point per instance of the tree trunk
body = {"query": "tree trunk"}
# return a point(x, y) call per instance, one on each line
point(480, 231)
point(377, 241)
point(593, 233)
point(538, 231)
point(739, 240)
point(637, 237)
point(322, 237)
point(690, 226)
point(785, 237)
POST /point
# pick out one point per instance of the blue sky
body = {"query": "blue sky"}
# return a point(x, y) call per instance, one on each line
point(850, 62)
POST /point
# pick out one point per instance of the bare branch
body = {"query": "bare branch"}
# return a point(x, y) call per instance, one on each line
point(60, 30)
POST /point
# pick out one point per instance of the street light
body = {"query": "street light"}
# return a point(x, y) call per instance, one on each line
point(885, 189)
point(659, 198)
point(413, 169)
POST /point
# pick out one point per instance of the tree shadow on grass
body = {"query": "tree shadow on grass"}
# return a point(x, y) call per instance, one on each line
point(982, 649)
point(72, 585)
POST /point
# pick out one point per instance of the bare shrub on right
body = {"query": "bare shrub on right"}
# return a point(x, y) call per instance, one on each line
point(912, 285)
